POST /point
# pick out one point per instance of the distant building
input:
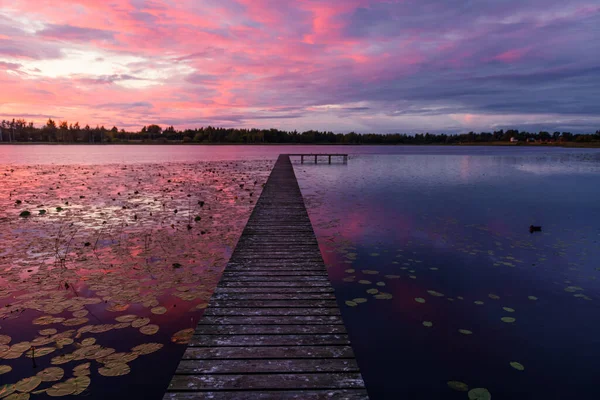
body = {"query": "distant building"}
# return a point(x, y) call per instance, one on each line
point(514, 140)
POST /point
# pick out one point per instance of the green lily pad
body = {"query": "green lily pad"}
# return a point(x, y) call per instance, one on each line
point(458, 386)
point(479, 394)
point(508, 320)
point(420, 300)
point(517, 366)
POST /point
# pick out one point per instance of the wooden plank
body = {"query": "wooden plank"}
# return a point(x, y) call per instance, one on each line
point(273, 296)
point(283, 289)
point(347, 380)
point(272, 328)
point(335, 394)
point(267, 340)
point(264, 311)
point(273, 303)
point(273, 320)
point(268, 329)
point(266, 365)
point(255, 353)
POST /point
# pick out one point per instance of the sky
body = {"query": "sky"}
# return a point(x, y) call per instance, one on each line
point(341, 65)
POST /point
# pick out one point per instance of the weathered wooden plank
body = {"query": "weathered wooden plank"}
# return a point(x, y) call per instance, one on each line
point(347, 380)
point(267, 340)
point(264, 311)
point(259, 289)
point(273, 303)
point(275, 284)
point(344, 394)
point(273, 296)
point(267, 274)
point(266, 365)
point(268, 329)
point(275, 320)
point(260, 278)
point(228, 353)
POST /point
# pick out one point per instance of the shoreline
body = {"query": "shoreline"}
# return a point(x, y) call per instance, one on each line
point(490, 144)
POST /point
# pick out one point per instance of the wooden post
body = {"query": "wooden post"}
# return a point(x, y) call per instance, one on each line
point(345, 159)
point(302, 159)
point(315, 158)
point(330, 159)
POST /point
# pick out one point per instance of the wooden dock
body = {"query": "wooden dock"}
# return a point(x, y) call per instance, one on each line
point(272, 329)
point(317, 155)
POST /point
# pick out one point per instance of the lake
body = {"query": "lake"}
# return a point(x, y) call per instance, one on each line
point(440, 282)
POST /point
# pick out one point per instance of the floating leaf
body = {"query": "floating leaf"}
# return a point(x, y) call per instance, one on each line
point(47, 320)
point(508, 320)
point(88, 341)
point(18, 396)
point(383, 296)
point(350, 303)
point(158, 310)
point(459, 386)
point(532, 298)
point(479, 394)
point(80, 383)
point(508, 309)
point(138, 323)
point(369, 272)
point(39, 351)
point(149, 329)
point(372, 291)
point(46, 332)
point(147, 348)
point(182, 337)
point(28, 384)
point(114, 369)
point(478, 302)
point(4, 369)
point(364, 282)
point(420, 300)
point(493, 296)
point(380, 283)
point(61, 389)
point(517, 365)
point(465, 331)
point(435, 294)
point(428, 324)
point(359, 300)
point(4, 339)
point(51, 374)
point(126, 318)
point(6, 390)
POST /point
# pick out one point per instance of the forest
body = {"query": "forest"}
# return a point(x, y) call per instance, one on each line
point(20, 131)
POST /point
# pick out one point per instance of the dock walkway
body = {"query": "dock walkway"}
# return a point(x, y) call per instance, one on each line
point(272, 329)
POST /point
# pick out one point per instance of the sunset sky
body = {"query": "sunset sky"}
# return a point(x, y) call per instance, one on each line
point(341, 65)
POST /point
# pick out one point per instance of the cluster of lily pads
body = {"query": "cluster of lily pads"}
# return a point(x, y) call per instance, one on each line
point(89, 251)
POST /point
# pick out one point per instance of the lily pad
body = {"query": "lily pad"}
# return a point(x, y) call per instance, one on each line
point(182, 337)
point(147, 348)
point(28, 384)
point(465, 331)
point(517, 366)
point(158, 310)
point(420, 300)
point(459, 386)
point(435, 294)
point(4, 369)
point(479, 394)
point(532, 298)
point(114, 369)
point(149, 329)
point(351, 303)
point(51, 374)
point(427, 324)
point(508, 309)
point(493, 296)
point(508, 320)
point(478, 302)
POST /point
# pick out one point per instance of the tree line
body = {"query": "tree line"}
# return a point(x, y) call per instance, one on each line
point(20, 131)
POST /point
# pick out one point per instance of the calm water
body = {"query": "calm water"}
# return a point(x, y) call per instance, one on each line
point(397, 222)
point(457, 226)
